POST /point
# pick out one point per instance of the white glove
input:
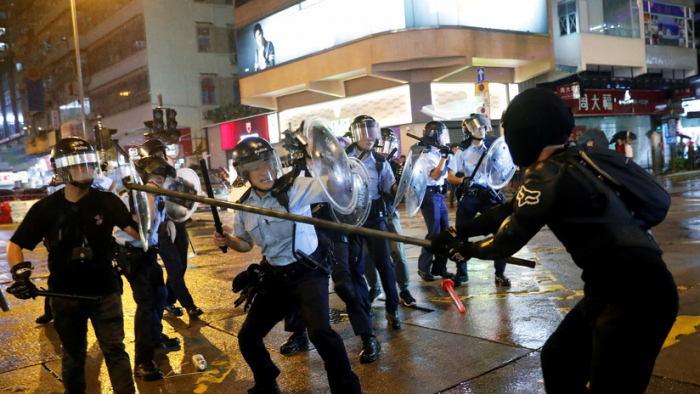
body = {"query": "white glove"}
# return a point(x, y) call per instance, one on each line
point(170, 228)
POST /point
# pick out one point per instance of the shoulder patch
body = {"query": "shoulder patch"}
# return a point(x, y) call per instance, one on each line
point(527, 197)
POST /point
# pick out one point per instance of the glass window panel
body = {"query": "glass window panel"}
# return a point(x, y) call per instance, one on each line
point(572, 23)
point(562, 26)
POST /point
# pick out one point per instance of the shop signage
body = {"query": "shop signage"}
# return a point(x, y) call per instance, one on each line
point(668, 24)
point(683, 93)
point(570, 91)
point(233, 132)
point(602, 102)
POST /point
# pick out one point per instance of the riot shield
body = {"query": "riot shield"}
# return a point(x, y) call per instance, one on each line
point(141, 206)
point(405, 180)
point(187, 181)
point(329, 165)
point(362, 202)
point(417, 186)
point(498, 167)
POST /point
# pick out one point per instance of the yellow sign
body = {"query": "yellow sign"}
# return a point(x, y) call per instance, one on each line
point(481, 87)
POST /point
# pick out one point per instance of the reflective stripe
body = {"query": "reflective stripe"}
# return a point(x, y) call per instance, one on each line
point(80, 158)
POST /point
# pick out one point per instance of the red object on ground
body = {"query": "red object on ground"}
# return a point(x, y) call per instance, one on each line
point(449, 286)
point(5, 213)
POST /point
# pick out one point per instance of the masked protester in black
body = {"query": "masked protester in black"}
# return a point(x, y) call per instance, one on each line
point(611, 326)
point(76, 225)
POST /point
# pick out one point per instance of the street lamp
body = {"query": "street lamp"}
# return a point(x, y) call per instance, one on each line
point(79, 71)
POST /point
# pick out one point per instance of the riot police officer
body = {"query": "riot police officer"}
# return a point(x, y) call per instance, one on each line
point(433, 205)
point(388, 148)
point(476, 195)
point(173, 251)
point(144, 274)
point(609, 341)
point(365, 132)
point(76, 224)
point(291, 284)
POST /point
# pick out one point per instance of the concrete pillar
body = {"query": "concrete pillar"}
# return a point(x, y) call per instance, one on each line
point(420, 97)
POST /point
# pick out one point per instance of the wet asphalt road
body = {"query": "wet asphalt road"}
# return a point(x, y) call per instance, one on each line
point(492, 348)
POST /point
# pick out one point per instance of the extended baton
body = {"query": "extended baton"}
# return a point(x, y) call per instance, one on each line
point(46, 293)
point(214, 209)
point(423, 140)
point(311, 263)
point(305, 219)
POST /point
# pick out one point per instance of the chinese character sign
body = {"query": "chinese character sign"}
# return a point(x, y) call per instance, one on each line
point(600, 102)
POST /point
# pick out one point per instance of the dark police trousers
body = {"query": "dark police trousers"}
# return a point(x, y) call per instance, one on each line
point(349, 285)
point(478, 199)
point(609, 339)
point(174, 256)
point(434, 213)
point(295, 286)
point(382, 261)
point(70, 321)
point(150, 294)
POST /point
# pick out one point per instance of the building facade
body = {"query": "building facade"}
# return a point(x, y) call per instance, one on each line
point(131, 51)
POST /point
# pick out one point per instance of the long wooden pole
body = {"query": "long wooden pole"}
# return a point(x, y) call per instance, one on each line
point(304, 219)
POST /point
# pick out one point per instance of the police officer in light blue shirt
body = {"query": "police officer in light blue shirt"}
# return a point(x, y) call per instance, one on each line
point(433, 206)
point(365, 131)
point(477, 196)
point(145, 275)
point(291, 284)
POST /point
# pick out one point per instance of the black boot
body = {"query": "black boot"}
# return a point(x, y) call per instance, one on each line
point(267, 388)
point(165, 342)
point(174, 310)
point(193, 312)
point(501, 280)
point(44, 319)
point(393, 320)
point(370, 349)
point(148, 371)
point(297, 342)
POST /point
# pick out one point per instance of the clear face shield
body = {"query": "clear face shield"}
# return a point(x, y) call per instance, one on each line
point(79, 167)
point(261, 171)
point(365, 133)
point(387, 144)
point(479, 126)
point(443, 137)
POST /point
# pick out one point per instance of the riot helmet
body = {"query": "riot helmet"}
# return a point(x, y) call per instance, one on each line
point(535, 119)
point(155, 165)
point(257, 162)
point(475, 127)
point(75, 161)
point(153, 147)
point(389, 140)
point(436, 133)
point(364, 130)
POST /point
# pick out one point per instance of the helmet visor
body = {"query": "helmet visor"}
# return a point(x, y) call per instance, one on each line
point(262, 168)
point(78, 167)
point(388, 143)
point(479, 126)
point(365, 131)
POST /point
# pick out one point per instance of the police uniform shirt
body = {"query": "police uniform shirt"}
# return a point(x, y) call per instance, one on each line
point(158, 217)
point(67, 225)
point(467, 160)
point(433, 157)
point(273, 235)
point(385, 178)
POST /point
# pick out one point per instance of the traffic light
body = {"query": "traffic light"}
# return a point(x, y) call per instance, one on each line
point(158, 121)
point(170, 115)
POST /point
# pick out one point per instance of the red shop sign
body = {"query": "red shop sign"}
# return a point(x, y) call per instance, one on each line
point(571, 91)
point(233, 132)
point(597, 102)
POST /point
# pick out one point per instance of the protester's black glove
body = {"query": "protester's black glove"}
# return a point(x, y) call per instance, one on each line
point(445, 151)
point(448, 244)
point(22, 288)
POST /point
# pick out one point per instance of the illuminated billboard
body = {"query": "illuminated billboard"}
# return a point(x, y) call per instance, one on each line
point(316, 25)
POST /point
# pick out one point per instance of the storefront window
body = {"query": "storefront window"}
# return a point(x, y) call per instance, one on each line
point(618, 18)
